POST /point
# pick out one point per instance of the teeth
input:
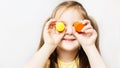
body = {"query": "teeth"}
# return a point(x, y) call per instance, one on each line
point(68, 39)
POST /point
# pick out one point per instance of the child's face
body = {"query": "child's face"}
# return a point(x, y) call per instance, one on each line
point(69, 16)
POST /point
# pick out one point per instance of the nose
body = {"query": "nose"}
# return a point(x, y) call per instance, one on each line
point(69, 30)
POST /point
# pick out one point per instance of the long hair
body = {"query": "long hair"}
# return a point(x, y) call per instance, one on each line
point(83, 60)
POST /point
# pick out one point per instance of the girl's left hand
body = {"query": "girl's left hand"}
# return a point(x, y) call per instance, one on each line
point(88, 35)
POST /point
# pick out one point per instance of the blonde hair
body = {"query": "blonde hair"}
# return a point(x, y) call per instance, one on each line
point(84, 63)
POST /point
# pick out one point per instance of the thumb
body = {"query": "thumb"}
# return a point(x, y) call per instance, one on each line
point(58, 37)
point(78, 35)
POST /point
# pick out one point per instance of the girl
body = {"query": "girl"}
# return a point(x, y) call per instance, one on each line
point(68, 48)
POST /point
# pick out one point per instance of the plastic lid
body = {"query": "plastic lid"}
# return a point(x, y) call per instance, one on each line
point(78, 26)
point(60, 26)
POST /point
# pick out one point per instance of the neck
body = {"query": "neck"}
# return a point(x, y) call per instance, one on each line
point(66, 56)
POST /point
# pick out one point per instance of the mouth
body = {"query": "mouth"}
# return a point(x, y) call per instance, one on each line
point(68, 39)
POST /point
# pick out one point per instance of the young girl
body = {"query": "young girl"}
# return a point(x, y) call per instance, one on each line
point(68, 48)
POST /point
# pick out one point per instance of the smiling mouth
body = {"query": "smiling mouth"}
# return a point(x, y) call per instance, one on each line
point(67, 39)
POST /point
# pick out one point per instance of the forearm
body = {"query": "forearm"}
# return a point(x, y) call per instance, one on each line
point(40, 57)
point(94, 57)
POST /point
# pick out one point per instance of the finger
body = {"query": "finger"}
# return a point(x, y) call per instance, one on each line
point(88, 31)
point(58, 36)
point(88, 26)
point(85, 25)
point(61, 34)
point(76, 34)
point(48, 24)
point(91, 32)
point(86, 22)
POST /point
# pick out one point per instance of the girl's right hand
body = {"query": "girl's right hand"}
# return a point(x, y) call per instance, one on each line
point(50, 35)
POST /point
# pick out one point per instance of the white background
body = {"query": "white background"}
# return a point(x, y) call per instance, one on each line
point(21, 22)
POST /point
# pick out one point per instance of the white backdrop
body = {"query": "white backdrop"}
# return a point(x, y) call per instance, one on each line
point(21, 22)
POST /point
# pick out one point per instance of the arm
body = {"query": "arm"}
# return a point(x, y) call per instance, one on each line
point(94, 57)
point(51, 40)
point(87, 40)
point(40, 57)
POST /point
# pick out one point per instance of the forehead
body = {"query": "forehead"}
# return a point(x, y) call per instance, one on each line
point(69, 15)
